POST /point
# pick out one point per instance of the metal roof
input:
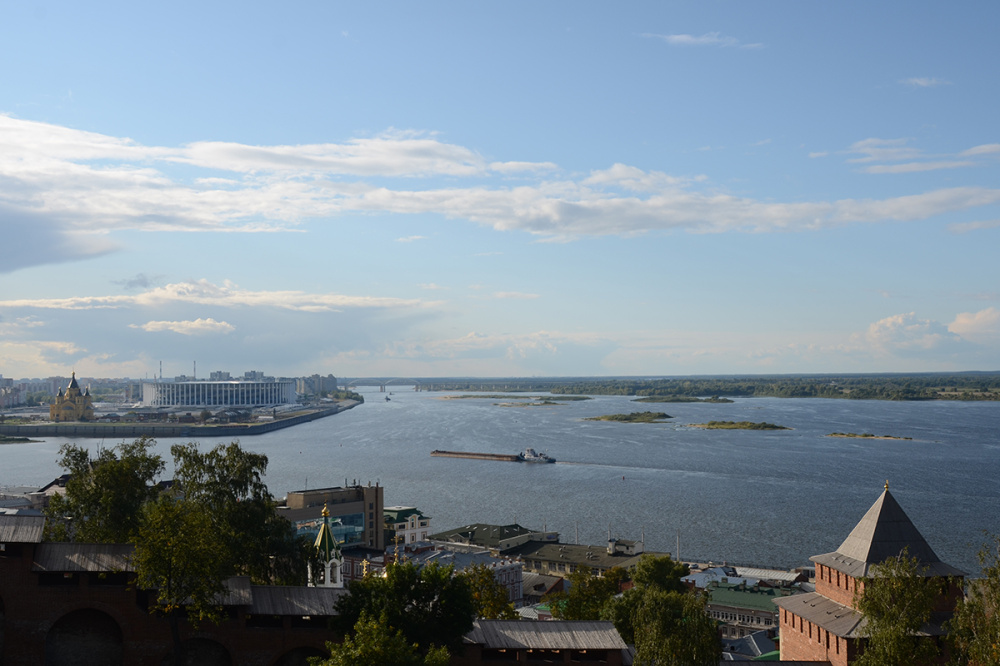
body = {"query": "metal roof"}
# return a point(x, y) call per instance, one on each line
point(884, 531)
point(236, 593)
point(93, 557)
point(564, 635)
point(482, 534)
point(277, 600)
point(21, 529)
point(741, 596)
point(836, 618)
point(768, 574)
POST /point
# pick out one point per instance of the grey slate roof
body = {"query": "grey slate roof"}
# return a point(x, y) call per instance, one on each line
point(92, 557)
point(21, 529)
point(836, 618)
point(564, 635)
point(276, 600)
point(884, 532)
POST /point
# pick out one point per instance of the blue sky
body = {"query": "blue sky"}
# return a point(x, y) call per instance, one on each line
point(518, 188)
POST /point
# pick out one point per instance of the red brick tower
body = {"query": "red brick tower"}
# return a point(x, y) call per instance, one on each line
point(823, 625)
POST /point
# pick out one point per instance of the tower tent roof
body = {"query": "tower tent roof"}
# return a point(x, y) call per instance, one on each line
point(885, 531)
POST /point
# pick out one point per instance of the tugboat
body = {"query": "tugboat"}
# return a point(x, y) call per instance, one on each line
point(530, 455)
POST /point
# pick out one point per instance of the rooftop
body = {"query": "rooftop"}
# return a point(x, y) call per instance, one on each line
point(885, 531)
point(565, 635)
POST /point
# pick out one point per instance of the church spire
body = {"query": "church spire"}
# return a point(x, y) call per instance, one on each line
point(329, 552)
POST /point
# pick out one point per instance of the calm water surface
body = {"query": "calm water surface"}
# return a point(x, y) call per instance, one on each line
point(750, 497)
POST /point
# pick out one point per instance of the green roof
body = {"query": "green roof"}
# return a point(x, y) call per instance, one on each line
point(738, 596)
point(774, 655)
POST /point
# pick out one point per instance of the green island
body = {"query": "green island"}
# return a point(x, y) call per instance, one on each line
point(7, 439)
point(681, 398)
point(739, 425)
point(634, 417)
point(865, 435)
point(543, 403)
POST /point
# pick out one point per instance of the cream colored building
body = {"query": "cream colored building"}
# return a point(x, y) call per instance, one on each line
point(72, 405)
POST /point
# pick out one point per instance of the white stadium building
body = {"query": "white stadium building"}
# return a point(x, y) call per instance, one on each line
point(232, 393)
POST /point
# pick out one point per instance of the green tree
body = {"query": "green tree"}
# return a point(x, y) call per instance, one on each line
point(489, 597)
point(975, 628)
point(377, 643)
point(176, 556)
point(227, 482)
point(667, 623)
point(897, 600)
point(104, 495)
point(673, 629)
point(587, 594)
point(430, 605)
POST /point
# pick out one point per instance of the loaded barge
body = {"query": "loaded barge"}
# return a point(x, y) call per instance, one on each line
point(528, 455)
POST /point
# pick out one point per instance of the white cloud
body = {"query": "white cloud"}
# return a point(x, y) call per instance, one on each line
point(915, 167)
point(203, 292)
point(924, 82)
point(516, 167)
point(410, 239)
point(985, 149)
point(980, 327)
point(196, 327)
point(64, 192)
point(883, 150)
point(906, 334)
point(708, 39)
point(813, 156)
point(14, 328)
point(516, 295)
point(966, 227)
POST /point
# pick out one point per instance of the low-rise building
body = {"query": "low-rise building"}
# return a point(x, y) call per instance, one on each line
point(355, 513)
point(743, 609)
point(516, 641)
point(483, 536)
point(506, 571)
point(559, 559)
point(406, 523)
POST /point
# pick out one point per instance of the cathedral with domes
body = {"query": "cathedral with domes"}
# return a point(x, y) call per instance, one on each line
point(72, 405)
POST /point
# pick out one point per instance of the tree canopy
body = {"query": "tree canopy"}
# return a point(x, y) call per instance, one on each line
point(489, 597)
point(667, 623)
point(227, 483)
point(105, 494)
point(430, 605)
point(375, 642)
point(975, 628)
point(587, 594)
point(897, 600)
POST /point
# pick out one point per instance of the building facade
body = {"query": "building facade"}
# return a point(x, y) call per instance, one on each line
point(234, 393)
point(73, 405)
point(406, 523)
point(356, 514)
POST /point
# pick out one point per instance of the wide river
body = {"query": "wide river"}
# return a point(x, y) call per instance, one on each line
point(748, 497)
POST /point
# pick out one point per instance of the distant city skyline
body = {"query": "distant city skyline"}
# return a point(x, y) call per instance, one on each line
point(454, 190)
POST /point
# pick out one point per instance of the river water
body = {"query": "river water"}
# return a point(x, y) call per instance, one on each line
point(749, 497)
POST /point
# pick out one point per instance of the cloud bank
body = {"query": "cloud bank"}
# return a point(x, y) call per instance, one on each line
point(65, 192)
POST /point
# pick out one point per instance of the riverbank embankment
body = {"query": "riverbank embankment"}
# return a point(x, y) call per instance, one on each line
point(126, 430)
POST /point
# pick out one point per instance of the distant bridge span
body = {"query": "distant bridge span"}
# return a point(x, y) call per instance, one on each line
point(382, 382)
